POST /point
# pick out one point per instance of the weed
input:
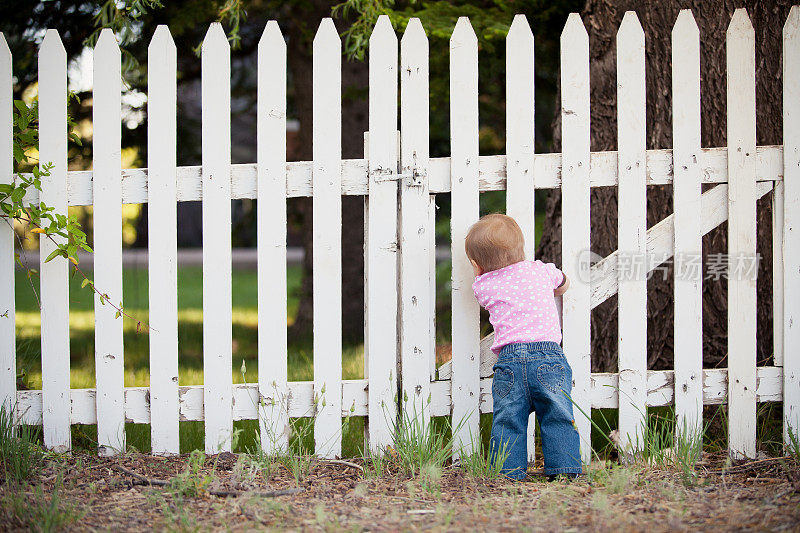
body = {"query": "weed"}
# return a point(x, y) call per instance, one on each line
point(687, 451)
point(483, 464)
point(191, 482)
point(177, 516)
point(19, 453)
point(793, 446)
point(660, 442)
point(552, 502)
point(621, 479)
point(246, 469)
point(411, 488)
point(324, 520)
point(254, 506)
point(360, 490)
point(417, 444)
point(42, 514)
point(600, 503)
point(374, 463)
point(669, 491)
point(769, 428)
point(298, 465)
point(447, 513)
point(430, 474)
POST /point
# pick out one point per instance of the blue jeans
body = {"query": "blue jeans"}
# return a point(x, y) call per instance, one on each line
point(531, 377)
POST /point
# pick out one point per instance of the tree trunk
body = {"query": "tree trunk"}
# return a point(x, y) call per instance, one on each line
point(355, 122)
point(602, 19)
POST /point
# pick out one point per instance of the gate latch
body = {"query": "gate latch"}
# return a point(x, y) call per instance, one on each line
point(415, 178)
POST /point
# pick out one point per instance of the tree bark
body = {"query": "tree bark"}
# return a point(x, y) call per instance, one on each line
point(602, 19)
point(355, 76)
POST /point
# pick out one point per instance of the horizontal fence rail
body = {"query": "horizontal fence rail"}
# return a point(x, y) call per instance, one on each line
point(660, 392)
point(400, 181)
point(492, 175)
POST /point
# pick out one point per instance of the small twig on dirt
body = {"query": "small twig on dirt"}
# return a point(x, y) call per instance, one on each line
point(270, 494)
point(747, 466)
point(146, 480)
point(420, 500)
point(223, 493)
point(340, 462)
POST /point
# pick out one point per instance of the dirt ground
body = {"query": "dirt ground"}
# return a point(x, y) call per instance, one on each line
point(115, 494)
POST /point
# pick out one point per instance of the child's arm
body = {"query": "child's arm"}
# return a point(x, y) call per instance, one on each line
point(561, 289)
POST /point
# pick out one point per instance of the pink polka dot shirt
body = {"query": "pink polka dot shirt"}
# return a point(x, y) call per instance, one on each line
point(520, 302)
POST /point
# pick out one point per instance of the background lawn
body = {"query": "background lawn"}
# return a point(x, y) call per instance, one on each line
point(190, 346)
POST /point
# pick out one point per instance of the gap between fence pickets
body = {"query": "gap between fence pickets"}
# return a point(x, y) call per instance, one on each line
point(660, 386)
point(714, 211)
point(492, 175)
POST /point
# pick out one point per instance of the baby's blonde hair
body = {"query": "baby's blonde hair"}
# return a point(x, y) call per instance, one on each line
point(495, 241)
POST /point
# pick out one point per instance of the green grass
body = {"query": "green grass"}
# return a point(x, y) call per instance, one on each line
point(45, 511)
point(190, 331)
point(20, 455)
point(190, 347)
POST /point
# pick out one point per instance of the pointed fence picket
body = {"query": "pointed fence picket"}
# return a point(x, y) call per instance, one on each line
point(53, 280)
point(8, 344)
point(791, 227)
point(400, 320)
point(520, 147)
point(631, 232)
point(741, 235)
point(381, 238)
point(217, 329)
point(416, 228)
point(688, 237)
point(271, 216)
point(575, 227)
point(107, 164)
point(464, 197)
point(327, 237)
point(163, 245)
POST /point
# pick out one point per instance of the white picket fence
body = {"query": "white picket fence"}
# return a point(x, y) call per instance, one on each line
point(400, 187)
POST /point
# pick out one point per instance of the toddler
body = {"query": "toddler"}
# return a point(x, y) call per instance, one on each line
point(531, 373)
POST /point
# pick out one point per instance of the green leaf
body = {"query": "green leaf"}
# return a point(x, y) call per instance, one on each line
point(18, 195)
point(54, 253)
point(84, 283)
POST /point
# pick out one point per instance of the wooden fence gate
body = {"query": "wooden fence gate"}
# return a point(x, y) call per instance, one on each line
point(399, 182)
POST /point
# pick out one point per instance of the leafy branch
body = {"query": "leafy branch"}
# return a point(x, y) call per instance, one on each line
point(63, 230)
point(122, 19)
point(491, 20)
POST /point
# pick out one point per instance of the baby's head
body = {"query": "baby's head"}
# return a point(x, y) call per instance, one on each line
point(493, 242)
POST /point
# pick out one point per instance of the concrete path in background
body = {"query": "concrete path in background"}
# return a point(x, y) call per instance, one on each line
point(244, 258)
